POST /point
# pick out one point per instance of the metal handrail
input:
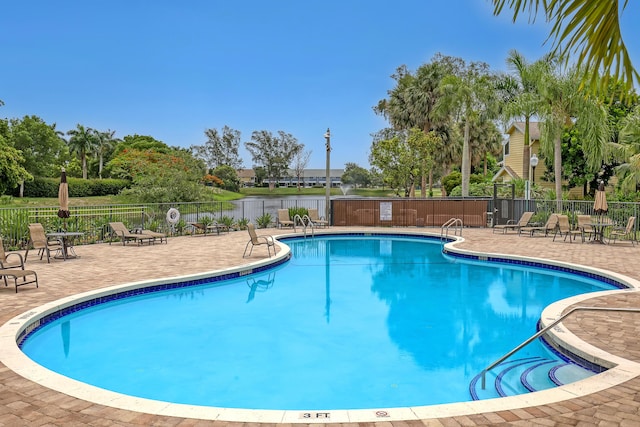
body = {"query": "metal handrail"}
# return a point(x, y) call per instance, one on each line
point(297, 219)
point(306, 219)
point(545, 329)
point(451, 222)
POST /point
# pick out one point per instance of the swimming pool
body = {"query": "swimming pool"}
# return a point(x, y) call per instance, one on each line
point(307, 297)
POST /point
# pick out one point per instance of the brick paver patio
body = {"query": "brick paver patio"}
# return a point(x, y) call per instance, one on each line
point(25, 403)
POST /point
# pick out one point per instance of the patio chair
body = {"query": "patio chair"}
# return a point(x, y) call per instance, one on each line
point(627, 233)
point(11, 259)
point(19, 274)
point(317, 219)
point(548, 227)
point(39, 240)
point(584, 223)
point(564, 227)
point(513, 225)
point(283, 218)
point(119, 230)
point(256, 240)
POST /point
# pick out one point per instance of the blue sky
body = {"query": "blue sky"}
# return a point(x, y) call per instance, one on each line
point(172, 69)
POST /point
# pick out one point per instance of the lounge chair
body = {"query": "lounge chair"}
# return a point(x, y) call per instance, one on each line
point(513, 225)
point(201, 228)
point(39, 240)
point(19, 274)
point(317, 219)
point(627, 232)
point(255, 240)
point(547, 228)
point(122, 232)
point(564, 227)
point(283, 218)
point(158, 236)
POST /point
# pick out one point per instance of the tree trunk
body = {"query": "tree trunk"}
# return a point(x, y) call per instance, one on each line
point(84, 166)
point(526, 152)
point(466, 160)
point(430, 181)
point(557, 166)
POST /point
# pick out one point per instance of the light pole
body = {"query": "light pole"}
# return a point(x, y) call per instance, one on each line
point(534, 162)
point(327, 182)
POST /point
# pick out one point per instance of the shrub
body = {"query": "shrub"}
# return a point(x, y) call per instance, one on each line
point(264, 221)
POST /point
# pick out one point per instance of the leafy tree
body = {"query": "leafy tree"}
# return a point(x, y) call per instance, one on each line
point(586, 27)
point(300, 162)
point(401, 155)
point(11, 171)
point(220, 149)
point(261, 174)
point(160, 177)
point(142, 142)
point(356, 175)
point(229, 177)
point(43, 150)
point(274, 153)
point(82, 142)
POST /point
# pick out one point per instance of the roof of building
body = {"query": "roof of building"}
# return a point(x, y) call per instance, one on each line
point(505, 170)
point(534, 129)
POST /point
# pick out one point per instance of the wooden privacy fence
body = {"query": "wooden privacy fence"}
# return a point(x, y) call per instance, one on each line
point(409, 213)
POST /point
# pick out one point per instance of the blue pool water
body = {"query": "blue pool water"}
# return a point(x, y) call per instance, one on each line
point(347, 323)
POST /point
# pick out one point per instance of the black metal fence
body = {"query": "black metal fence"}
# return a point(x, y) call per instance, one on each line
point(93, 221)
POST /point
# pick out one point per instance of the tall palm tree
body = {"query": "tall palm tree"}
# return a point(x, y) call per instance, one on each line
point(589, 28)
point(104, 141)
point(629, 170)
point(525, 101)
point(412, 103)
point(565, 106)
point(472, 95)
point(82, 142)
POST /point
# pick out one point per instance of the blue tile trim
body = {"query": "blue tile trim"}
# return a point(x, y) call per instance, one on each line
point(42, 321)
point(570, 357)
point(538, 264)
point(373, 234)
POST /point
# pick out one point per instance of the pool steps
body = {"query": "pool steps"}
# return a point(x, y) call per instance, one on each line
point(526, 375)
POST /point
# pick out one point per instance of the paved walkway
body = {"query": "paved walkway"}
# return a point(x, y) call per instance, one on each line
point(23, 402)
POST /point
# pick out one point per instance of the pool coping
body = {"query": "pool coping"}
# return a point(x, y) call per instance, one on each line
point(622, 371)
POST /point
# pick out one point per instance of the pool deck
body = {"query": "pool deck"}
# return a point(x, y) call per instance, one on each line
point(23, 402)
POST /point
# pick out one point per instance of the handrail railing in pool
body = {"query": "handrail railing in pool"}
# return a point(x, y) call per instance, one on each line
point(545, 329)
point(452, 222)
point(305, 221)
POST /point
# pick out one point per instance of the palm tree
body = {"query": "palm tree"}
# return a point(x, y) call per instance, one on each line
point(472, 95)
point(525, 101)
point(629, 170)
point(412, 103)
point(586, 27)
point(104, 142)
point(565, 106)
point(82, 142)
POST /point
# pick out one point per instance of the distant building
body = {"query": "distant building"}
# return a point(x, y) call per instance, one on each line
point(309, 178)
